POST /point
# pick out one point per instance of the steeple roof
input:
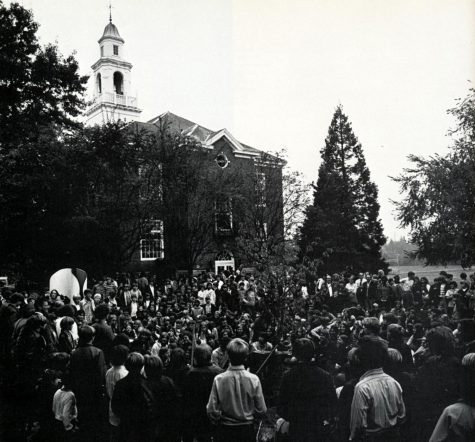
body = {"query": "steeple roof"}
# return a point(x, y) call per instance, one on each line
point(111, 31)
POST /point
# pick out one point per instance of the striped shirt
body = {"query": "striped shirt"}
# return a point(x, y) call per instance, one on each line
point(377, 403)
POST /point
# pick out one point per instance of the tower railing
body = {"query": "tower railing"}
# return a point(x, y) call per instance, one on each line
point(116, 99)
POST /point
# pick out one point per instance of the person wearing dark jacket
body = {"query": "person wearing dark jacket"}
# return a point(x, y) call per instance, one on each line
point(88, 371)
point(307, 396)
point(345, 399)
point(197, 385)
point(129, 402)
point(104, 336)
point(163, 410)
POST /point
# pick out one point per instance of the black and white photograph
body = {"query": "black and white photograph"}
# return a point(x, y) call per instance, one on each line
point(237, 221)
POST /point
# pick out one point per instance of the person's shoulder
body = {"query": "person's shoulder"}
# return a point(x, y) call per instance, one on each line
point(253, 377)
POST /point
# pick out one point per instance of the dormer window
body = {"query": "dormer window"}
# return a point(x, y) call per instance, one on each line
point(116, 49)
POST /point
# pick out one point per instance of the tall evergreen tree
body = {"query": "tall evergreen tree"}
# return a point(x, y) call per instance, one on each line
point(342, 228)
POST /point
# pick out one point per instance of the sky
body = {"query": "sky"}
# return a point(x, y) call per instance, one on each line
point(273, 71)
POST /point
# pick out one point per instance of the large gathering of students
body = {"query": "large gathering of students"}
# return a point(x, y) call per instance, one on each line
point(237, 356)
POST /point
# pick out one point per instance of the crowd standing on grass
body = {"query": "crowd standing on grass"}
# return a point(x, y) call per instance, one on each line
point(223, 357)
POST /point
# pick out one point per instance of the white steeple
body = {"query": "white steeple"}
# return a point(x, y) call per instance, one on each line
point(112, 98)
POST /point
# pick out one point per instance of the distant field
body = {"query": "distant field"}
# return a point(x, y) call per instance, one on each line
point(430, 272)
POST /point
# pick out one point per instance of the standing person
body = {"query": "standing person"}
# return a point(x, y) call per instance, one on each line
point(307, 396)
point(103, 335)
point(377, 407)
point(165, 423)
point(198, 384)
point(87, 305)
point(88, 371)
point(66, 342)
point(220, 357)
point(129, 402)
point(65, 411)
point(236, 397)
point(117, 372)
point(457, 421)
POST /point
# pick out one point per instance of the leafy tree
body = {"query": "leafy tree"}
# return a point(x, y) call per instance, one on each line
point(439, 195)
point(111, 181)
point(40, 96)
point(192, 190)
point(38, 87)
point(271, 212)
point(342, 228)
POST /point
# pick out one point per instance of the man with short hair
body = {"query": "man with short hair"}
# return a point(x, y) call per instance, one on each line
point(307, 396)
point(88, 371)
point(129, 402)
point(198, 384)
point(236, 397)
point(377, 407)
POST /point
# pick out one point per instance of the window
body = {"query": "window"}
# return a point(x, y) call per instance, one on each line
point(261, 189)
point(222, 160)
point(118, 83)
point(116, 49)
point(151, 244)
point(99, 84)
point(102, 51)
point(223, 216)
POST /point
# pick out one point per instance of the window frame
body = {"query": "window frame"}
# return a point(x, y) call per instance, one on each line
point(228, 211)
point(156, 229)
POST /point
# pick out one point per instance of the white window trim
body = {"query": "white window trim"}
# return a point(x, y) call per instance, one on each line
point(229, 212)
point(161, 253)
point(261, 184)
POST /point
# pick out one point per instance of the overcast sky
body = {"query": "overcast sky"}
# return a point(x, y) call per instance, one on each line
point(273, 71)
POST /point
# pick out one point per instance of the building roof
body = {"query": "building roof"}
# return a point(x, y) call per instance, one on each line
point(111, 31)
point(202, 134)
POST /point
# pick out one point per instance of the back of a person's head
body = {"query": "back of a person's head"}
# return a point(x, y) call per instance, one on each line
point(66, 310)
point(66, 323)
point(468, 378)
point(16, 298)
point(27, 310)
point(371, 324)
point(303, 349)
point(372, 352)
point(121, 339)
point(393, 362)
point(153, 367)
point(134, 362)
point(101, 311)
point(238, 351)
point(395, 333)
point(390, 318)
point(202, 355)
point(86, 333)
point(59, 360)
point(177, 359)
point(67, 380)
point(441, 341)
point(118, 355)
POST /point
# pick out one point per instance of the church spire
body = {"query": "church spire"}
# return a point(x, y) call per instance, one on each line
point(110, 11)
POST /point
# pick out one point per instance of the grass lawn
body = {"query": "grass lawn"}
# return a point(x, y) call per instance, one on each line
point(430, 272)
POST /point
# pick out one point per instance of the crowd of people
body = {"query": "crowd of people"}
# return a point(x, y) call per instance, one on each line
point(225, 357)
